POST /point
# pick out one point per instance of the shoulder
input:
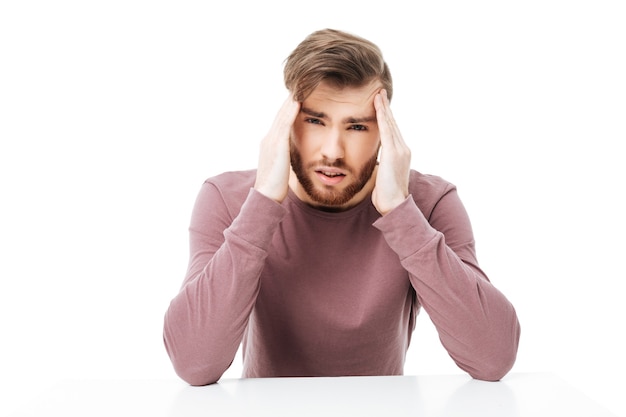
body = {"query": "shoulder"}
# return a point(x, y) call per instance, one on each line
point(228, 190)
point(233, 181)
point(429, 183)
point(427, 190)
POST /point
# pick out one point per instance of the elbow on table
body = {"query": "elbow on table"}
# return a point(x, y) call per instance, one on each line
point(499, 357)
point(194, 371)
point(495, 366)
point(492, 371)
point(197, 377)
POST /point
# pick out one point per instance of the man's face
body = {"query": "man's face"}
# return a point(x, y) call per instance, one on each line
point(334, 145)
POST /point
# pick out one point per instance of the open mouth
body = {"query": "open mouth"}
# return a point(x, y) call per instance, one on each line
point(331, 174)
point(330, 177)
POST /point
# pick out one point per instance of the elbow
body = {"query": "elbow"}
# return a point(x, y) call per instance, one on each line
point(492, 367)
point(195, 372)
point(498, 362)
point(196, 377)
point(493, 357)
point(493, 370)
point(192, 367)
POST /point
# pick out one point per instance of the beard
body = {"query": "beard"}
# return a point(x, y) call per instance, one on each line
point(328, 196)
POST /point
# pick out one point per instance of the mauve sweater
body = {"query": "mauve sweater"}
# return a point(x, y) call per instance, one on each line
point(314, 293)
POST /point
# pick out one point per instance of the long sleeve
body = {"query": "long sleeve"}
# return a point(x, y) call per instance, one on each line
point(205, 322)
point(476, 323)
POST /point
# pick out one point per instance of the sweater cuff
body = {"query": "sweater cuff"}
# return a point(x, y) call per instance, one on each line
point(258, 219)
point(405, 229)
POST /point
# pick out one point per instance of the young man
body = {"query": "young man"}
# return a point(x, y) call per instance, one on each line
point(319, 260)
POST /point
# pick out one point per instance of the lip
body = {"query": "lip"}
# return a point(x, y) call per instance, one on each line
point(336, 175)
point(330, 170)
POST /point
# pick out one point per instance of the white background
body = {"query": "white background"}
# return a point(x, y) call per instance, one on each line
point(113, 113)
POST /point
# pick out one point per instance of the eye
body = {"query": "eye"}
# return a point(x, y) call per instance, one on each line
point(358, 127)
point(313, 121)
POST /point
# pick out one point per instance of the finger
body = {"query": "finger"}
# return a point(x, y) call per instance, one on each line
point(389, 131)
point(287, 113)
point(381, 117)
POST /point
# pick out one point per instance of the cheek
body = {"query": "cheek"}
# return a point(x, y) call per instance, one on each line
point(301, 144)
point(304, 139)
point(298, 136)
point(363, 150)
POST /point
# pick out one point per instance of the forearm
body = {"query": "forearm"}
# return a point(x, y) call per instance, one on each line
point(477, 325)
point(205, 322)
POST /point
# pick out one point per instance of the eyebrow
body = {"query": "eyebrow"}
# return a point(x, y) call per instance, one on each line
point(347, 120)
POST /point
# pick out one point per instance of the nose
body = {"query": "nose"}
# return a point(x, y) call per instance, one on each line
point(332, 146)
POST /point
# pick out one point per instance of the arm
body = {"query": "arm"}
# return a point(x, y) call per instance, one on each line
point(205, 322)
point(477, 325)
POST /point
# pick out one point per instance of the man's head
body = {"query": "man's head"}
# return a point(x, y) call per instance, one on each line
point(335, 138)
point(338, 58)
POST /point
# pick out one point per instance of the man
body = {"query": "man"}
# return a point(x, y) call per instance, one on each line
point(319, 260)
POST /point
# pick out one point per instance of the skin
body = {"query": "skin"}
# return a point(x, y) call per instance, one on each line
point(336, 131)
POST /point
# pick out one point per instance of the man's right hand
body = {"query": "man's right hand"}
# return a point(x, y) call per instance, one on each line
point(272, 177)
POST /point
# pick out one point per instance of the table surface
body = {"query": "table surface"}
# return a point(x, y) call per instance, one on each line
point(517, 395)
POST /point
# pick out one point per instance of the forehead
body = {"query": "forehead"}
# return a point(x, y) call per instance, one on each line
point(328, 98)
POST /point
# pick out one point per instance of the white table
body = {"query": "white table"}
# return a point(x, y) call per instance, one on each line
point(517, 395)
